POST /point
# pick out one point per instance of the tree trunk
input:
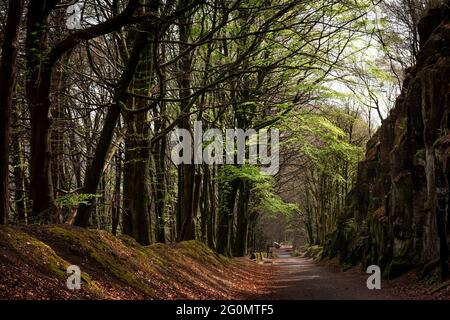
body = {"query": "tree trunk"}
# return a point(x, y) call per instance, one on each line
point(57, 136)
point(40, 62)
point(41, 179)
point(20, 181)
point(8, 74)
point(37, 92)
point(225, 215)
point(211, 223)
point(205, 209)
point(115, 212)
point(160, 190)
point(136, 180)
point(186, 171)
point(185, 200)
point(240, 244)
point(94, 171)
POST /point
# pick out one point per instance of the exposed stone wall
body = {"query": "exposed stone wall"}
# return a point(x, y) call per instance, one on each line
point(398, 214)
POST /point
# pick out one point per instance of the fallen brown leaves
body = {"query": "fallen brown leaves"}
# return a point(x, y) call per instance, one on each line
point(33, 261)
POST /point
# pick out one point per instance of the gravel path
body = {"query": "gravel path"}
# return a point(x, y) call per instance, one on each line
point(298, 278)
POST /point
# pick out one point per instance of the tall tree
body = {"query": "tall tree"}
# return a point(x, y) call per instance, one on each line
point(40, 61)
point(8, 72)
point(186, 171)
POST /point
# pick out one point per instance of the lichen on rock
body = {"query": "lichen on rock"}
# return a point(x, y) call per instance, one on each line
point(401, 201)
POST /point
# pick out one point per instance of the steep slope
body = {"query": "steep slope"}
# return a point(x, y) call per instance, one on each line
point(33, 263)
point(397, 216)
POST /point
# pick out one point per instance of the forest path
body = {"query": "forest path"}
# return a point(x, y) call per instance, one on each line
point(298, 278)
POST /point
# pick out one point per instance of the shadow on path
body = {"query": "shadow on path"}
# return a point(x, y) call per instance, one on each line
point(298, 278)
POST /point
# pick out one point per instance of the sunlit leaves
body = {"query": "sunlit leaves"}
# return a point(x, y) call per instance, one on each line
point(262, 187)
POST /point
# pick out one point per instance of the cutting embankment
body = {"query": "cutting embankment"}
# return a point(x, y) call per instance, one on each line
point(34, 260)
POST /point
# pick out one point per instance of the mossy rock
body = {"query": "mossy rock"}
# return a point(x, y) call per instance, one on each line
point(429, 268)
point(404, 186)
point(397, 267)
point(401, 126)
point(314, 252)
point(419, 157)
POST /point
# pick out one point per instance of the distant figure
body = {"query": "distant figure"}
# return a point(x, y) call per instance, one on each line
point(269, 251)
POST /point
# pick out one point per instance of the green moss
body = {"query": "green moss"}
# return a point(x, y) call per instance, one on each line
point(405, 248)
point(403, 185)
point(132, 263)
point(376, 231)
point(42, 255)
point(259, 256)
point(96, 245)
point(401, 262)
point(420, 154)
point(345, 266)
point(400, 130)
point(440, 287)
point(123, 258)
point(36, 251)
point(201, 252)
point(314, 252)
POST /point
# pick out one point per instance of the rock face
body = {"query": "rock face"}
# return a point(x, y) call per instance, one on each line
point(398, 215)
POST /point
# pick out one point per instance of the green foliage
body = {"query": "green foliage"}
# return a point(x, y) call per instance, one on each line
point(323, 143)
point(74, 200)
point(349, 229)
point(314, 252)
point(264, 197)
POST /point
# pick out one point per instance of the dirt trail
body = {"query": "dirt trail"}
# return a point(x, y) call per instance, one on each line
point(298, 278)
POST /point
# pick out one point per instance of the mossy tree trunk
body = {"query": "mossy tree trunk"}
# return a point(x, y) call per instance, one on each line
point(186, 172)
point(240, 242)
point(225, 216)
